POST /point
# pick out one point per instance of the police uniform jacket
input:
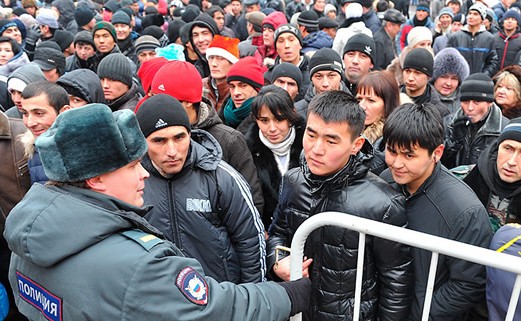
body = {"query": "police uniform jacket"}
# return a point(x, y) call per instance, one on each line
point(387, 278)
point(207, 211)
point(81, 255)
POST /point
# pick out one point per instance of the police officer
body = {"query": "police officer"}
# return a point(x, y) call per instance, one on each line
point(82, 250)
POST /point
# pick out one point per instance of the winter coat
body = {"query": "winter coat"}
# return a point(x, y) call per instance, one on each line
point(74, 62)
point(124, 269)
point(384, 50)
point(267, 169)
point(430, 95)
point(293, 7)
point(215, 93)
point(479, 50)
point(343, 35)
point(87, 83)
point(401, 38)
point(372, 21)
point(483, 180)
point(444, 206)
point(14, 63)
point(387, 279)
point(315, 41)
point(468, 150)
point(129, 100)
point(452, 102)
point(247, 48)
point(234, 149)
point(207, 211)
point(507, 48)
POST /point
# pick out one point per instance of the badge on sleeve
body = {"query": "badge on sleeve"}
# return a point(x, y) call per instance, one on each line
point(192, 285)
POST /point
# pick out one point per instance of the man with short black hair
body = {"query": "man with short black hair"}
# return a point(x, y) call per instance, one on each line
point(105, 41)
point(437, 203)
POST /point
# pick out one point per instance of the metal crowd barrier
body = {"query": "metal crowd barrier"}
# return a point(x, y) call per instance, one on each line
point(437, 245)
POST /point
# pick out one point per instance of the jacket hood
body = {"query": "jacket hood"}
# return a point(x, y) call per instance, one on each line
point(207, 115)
point(39, 233)
point(355, 168)
point(28, 74)
point(86, 82)
point(66, 9)
point(317, 40)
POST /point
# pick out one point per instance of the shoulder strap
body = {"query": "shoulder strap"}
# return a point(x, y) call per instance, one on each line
point(146, 240)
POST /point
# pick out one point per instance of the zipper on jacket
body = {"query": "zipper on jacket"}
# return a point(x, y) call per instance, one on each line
point(173, 217)
point(23, 169)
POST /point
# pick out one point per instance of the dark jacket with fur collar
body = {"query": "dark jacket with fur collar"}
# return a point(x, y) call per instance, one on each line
point(266, 165)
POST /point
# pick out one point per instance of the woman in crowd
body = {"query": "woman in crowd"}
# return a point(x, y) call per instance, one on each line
point(507, 91)
point(274, 138)
point(378, 95)
point(11, 57)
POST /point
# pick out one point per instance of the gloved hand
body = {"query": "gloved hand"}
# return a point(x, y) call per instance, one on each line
point(299, 292)
point(33, 34)
point(460, 128)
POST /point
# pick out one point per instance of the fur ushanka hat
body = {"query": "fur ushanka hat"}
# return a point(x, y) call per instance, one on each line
point(450, 61)
point(89, 141)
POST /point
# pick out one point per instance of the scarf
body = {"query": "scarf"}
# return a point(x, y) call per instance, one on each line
point(234, 116)
point(418, 23)
point(281, 149)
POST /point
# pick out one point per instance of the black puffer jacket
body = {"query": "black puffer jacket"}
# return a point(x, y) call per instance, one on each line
point(387, 285)
point(479, 50)
point(266, 165)
point(207, 211)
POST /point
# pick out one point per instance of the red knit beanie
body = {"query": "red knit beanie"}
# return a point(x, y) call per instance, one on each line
point(148, 70)
point(180, 80)
point(248, 71)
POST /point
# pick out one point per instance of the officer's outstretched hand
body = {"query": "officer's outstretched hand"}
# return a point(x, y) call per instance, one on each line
point(281, 268)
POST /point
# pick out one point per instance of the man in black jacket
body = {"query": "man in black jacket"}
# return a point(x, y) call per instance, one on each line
point(334, 177)
point(439, 204)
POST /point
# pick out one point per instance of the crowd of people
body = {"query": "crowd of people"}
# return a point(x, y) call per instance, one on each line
point(157, 158)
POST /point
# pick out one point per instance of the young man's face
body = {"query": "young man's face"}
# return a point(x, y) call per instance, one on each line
point(268, 36)
point(122, 31)
point(252, 8)
point(202, 37)
point(415, 82)
point(51, 75)
point(103, 41)
point(475, 110)
point(456, 26)
point(13, 33)
point(455, 6)
point(84, 50)
point(288, 47)
point(446, 84)
point(357, 65)
point(445, 21)
point(126, 183)
point(113, 89)
point(510, 24)
point(236, 7)
point(319, 5)
point(328, 146)
point(146, 55)
point(509, 161)
point(421, 15)
point(474, 19)
point(326, 80)
point(218, 17)
point(168, 149)
point(240, 92)
point(16, 97)
point(219, 67)
point(38, 115)
point(288, 84)
point(411, 167)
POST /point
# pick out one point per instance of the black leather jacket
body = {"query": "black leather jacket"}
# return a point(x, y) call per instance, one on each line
point(387, 284)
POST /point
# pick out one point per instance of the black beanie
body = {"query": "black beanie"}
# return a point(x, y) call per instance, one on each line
point(511, 131)
point(161, 111)
point(285, 69)
point(325, 59)
point(204, 20)
point(174, 30)
point(419, 59)
point(360, 42)
point(120, 17)
point(83, 15)
point(288, 28)
point(308, 19)
point(116, 67)
point(63, 38)
point(478, 87)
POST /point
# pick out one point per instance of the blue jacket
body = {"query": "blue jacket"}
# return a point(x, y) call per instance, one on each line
point(316, 40)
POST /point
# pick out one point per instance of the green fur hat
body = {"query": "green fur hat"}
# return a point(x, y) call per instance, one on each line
point(89, 141)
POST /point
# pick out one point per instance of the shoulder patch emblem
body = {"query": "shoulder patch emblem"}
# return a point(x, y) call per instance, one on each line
point(40, 298)
point(192, 285)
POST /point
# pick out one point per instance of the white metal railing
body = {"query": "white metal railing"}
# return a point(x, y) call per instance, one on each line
point(437, 245)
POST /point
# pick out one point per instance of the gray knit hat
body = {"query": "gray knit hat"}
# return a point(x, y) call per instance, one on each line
point(84, 36)
point(325, 59)
point(450, 61)
point(511, 131)
point(116, 67)
point(146, 43)
point(70, 152)
point(120, 17)
point(479, 87)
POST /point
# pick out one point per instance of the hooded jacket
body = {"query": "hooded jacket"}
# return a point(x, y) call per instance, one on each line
point(445, 206)
point(207, 211)
point(128, 100)
point(315, 41)
point(203, 21)
point(269, 174)
point(28, 74)
point(234, 149)
point(479, 50)
point(483, 181)
point(468, 150)
point(112, 265)
point(387, 280)
point(86, 82)
point(507, 47)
